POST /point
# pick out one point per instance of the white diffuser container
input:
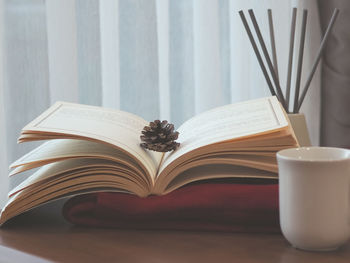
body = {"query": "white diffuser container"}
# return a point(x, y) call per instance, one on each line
point(298, 123)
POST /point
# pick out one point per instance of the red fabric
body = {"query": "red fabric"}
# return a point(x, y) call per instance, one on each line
point(210, 207)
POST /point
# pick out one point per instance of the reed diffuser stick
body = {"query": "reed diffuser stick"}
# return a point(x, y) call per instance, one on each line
point(255, 48)
point(267, 57)
point(290, 57)
point(318, 57)
point(272, 41)
point(300, 61)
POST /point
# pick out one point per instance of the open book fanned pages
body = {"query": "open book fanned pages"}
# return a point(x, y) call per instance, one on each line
point(91, 149)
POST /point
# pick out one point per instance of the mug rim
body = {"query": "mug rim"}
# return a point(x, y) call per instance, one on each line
point(282, 154)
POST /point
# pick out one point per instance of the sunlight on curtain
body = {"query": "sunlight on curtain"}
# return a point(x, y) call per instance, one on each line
point(109, 41)
point(156, 58)
point(26, 88)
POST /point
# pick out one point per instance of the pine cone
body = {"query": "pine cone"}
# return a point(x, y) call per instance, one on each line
point(159, 136)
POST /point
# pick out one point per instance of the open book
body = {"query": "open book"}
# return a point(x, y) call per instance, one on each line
point(91, 149)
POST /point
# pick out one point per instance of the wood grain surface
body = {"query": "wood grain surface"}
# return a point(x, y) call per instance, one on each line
point(40, 237)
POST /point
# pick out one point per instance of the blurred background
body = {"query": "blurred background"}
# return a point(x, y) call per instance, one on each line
point(162, 59)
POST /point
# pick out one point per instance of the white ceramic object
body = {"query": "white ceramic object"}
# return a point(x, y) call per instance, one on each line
point(298, 122)
point(314, 196)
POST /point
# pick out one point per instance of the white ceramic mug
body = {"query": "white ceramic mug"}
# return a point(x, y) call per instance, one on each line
point(314, 196)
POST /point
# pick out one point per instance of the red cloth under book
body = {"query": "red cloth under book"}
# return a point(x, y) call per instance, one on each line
point(208, 206)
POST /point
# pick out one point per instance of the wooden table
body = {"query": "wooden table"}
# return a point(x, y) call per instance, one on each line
point(39, 237)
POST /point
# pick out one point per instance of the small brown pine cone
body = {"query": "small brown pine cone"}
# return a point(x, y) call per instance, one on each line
point(159, 136)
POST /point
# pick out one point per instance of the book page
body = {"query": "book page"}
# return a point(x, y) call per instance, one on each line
point(114, 127)
point(216, 171)
point(50, 171)
point(230, 122)
point(77, 169)
point(63, 149)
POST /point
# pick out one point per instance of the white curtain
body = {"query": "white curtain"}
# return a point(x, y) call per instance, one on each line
point(168, 59)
